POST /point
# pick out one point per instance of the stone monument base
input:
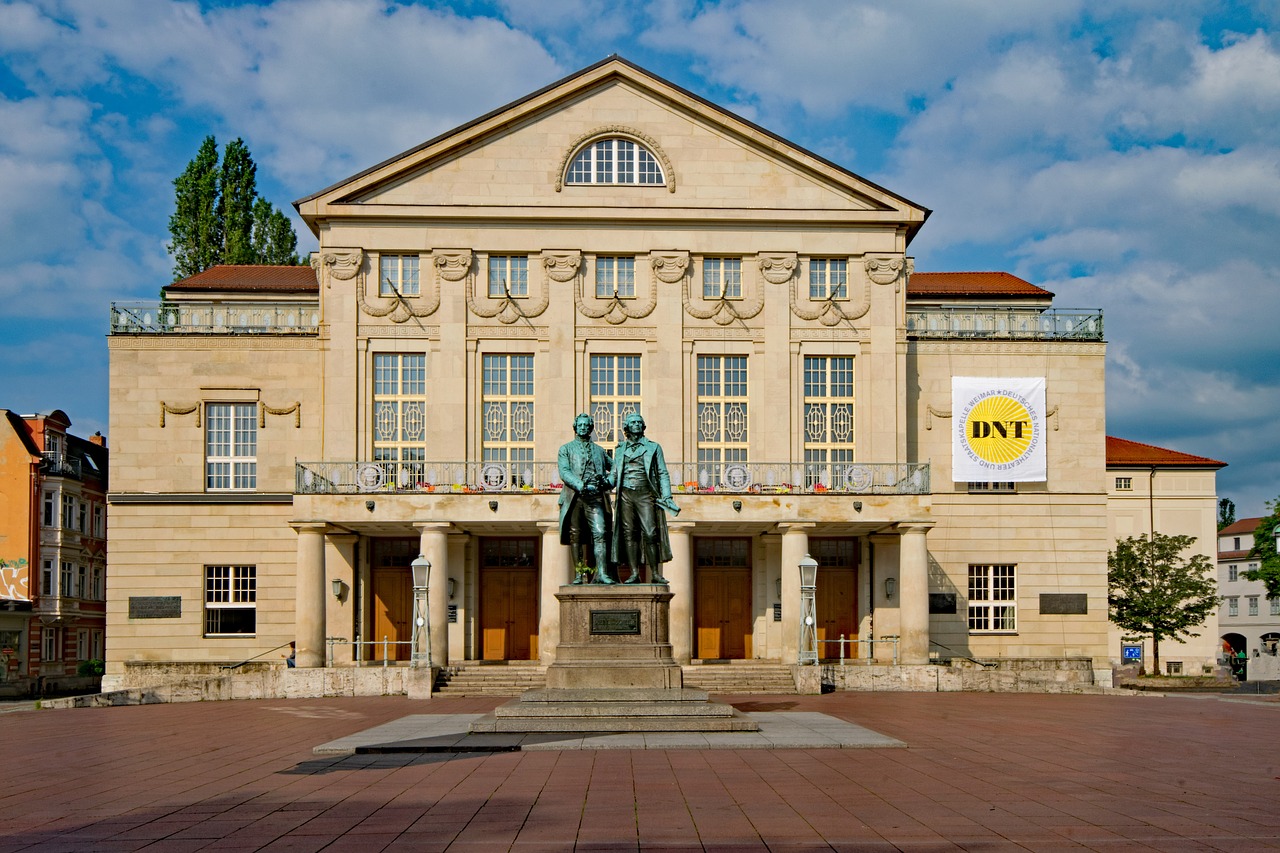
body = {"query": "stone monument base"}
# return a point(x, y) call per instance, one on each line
point(614, 672)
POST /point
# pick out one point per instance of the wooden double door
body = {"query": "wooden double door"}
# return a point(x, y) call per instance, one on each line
point(509, 592)
point(392, 581)
point(836, 600)
point(722, 597)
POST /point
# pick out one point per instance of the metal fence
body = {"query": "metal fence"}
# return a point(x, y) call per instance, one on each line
point(344, 478)
point(215, 318)
point(1007, 323)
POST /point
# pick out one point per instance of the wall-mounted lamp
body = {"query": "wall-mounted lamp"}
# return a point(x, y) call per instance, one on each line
point(493, 506)
point(453, 586)
point(890, 587)
point(369, 505)
point(338, 587)
point(857, 506)
point(737, 506)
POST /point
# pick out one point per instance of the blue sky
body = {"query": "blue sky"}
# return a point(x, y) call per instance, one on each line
point(1125, 155)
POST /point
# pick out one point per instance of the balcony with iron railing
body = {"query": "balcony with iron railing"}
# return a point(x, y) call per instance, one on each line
point(739, 478)
point(1025, 324)
point(58, 464)
point(215, 317)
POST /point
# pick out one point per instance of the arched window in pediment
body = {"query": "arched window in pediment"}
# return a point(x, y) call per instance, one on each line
point(615, 160)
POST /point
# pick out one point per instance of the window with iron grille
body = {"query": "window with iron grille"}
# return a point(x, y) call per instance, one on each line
point(614, 161)
point(398, 274)
point(615, 276)
point(508, 275)
point(722, 411)
point(400, 413)
point(992, 599)
point(828, 278)
point(722, 278)
point(507, 431)
point(230, 600)
point(974, 486)
point(231, 446)
point(615, 393)
point(828, 419)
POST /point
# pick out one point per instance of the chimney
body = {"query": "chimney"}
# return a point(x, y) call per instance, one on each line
point(98, 439)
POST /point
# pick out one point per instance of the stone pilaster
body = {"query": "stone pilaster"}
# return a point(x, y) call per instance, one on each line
point(309, 606)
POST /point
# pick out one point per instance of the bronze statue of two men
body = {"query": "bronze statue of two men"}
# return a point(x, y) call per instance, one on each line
point(628, 527)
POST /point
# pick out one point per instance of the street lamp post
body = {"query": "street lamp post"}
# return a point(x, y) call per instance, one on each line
point(421, 613)
point(808, 610)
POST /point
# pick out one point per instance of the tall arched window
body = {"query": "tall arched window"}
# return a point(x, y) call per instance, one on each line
point(615, 160)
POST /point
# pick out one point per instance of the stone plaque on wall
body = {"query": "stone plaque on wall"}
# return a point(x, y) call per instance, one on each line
point(1064, 603)
point(615, 621)
point(942, 602)
point(155, 606)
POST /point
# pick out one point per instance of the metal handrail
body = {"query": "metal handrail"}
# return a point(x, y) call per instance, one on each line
point(357, 646)
point(255, 657)
point(870, 643)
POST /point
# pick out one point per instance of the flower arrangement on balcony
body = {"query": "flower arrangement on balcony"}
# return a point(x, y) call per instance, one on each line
point(818, 488)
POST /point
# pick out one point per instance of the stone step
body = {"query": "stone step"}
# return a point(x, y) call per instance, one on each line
point(747, 678)
point(735, 723)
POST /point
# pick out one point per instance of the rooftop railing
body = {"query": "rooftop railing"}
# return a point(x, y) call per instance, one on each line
point(739, 478)
point(215, 318)
point(60, 465)
point(1005, 323)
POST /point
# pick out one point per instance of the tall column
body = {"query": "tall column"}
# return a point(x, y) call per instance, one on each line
point(556, 570)
point(309, 603)
point(433, 543)
point(340, 564)
point(913, 593)
point(795, 544)
point(679, 575)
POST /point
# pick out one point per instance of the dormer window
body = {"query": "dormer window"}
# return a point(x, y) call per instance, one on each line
point(615, 161)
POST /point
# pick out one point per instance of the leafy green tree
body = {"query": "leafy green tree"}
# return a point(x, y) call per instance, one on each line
point(238, 192)
point(1226, 513)
point(195, 227)
point(1152, 590)
point(219, 218)
point(1264, 550)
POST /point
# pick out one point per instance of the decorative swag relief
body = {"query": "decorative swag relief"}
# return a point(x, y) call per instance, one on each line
point(505, 309)
point(263, 410)
point(342, 264)
point(615, 310)
point(723, 311)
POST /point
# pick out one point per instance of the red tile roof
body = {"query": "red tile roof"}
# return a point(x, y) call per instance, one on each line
point(1239, 526)
point(983, 284)
point(1122, 453)
point(252, 278)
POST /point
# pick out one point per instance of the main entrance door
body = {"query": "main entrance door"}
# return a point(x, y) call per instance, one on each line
point(836, 600)
point(509, 598)
point(392, 600)
point(722, 598)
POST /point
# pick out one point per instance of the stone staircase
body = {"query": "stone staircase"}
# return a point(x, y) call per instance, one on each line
point(490, 678)
point(741, 677)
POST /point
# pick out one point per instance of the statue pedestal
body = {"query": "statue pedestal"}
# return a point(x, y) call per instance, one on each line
point(614, 636)
point(614, 672)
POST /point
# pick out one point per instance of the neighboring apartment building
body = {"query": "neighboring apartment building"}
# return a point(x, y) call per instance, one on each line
point(53, 544)
point(1248, 620)
point(1175, 494)
point(288, 440)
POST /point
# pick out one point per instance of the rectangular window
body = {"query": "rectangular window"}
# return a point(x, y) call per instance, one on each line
point(1275, 605)
point(508, 275)
point(1124, 484)
point(992, 599)
point(615, 393)
point(82, 645)
point(1233, 573)
point(615, 277)
point(1233, 605)
point(828, 278)
point(65, 580)
point(82, 516)
point(722, 278)
point(231, 446)
point(68, 512)
point(398, 274)
point(48, 580)
point(99, 522)
point(82, 582)
point(828, 419)
point(1253, 605)
point(974, 486)
point(722, 414)
point(96, 638)
point(400, 413)
point(1173, 667)
point(50, 644)
point(1236, 547)
point(50, 511)
point(230, 600)
point(507, 431)
point(99, 588)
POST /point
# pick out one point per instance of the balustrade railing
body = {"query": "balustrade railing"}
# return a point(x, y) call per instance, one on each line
point(1009, 323)
point(215, 318)
point(740, 478)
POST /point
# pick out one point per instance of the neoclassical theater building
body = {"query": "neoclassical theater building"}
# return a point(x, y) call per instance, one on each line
point(289, 439)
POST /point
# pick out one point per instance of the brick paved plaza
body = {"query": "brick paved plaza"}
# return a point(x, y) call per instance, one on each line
point(980, 772)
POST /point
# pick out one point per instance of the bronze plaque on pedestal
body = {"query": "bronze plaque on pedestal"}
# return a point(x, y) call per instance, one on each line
point(615, 621)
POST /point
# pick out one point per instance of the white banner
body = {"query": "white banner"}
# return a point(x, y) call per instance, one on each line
point(997, 430)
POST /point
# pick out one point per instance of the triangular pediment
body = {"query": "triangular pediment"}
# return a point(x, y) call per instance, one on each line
point(515, 158)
